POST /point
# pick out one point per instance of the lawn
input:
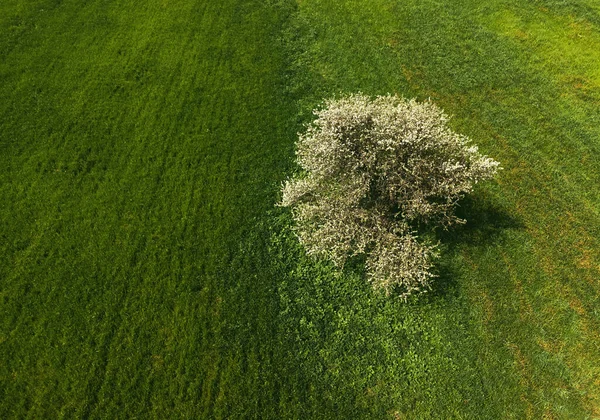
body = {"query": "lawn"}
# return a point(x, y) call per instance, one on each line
point(145, 271)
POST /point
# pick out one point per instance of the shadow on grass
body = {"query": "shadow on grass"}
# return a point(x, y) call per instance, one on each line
point(486, 224)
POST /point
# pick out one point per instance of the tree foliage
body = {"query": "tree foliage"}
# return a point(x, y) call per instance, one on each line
point(370, 171)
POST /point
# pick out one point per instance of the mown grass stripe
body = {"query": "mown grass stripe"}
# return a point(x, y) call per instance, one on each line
point(131, 164)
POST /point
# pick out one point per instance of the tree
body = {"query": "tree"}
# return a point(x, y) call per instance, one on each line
point(371, 171)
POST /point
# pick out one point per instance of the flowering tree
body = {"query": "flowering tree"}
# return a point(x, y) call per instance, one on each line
point(371, 169)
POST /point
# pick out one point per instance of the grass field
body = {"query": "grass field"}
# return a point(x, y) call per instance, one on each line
point(146, 273)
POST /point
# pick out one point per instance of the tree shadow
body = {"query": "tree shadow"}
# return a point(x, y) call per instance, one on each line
point(486, 225)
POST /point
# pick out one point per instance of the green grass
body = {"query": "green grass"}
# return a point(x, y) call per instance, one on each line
point(145, 272)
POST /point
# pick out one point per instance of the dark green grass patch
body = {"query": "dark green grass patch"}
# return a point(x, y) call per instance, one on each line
point(139, 142)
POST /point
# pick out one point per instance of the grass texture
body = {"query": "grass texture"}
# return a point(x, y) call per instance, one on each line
point(145, 272)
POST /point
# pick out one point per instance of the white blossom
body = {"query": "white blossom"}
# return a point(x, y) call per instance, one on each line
point(371, 169)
